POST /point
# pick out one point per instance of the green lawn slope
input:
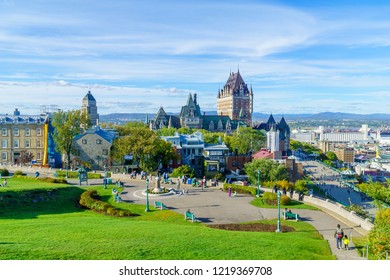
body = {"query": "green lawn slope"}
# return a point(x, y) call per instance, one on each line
point(44, 221)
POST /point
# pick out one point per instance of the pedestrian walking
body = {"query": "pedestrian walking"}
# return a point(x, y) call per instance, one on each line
point(178, 183)
point(230, 192)
point(5, 183)
point(339, 234)
point(346, 242)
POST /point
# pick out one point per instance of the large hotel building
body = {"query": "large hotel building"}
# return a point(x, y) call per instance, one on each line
point(236, 100)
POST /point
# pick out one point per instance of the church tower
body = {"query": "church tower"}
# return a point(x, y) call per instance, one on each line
point(235, 99)
point(89, 106)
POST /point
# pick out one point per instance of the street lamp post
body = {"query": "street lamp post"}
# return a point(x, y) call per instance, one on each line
point(278, 225)
point(258, 183)
point(105, 177)
point(147, 195)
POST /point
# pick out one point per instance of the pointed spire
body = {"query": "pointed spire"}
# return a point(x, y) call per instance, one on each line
point(190, 101)
point(170, 122)
point(271, 120)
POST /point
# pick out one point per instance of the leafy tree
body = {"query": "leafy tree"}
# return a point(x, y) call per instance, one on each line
point(127, 127)
point(147, 149)
point(283, 184)
point(269, 170)
point(185, 130)
point(331, 156)
point(329, 162)
point(26, 157)
point(247, 139)
point(379, 236)
point(66, 126)
point(301, 185)
point(165, 131)
point(183, 170)
point(306, 148)
point(377, 191)
point(295, 145)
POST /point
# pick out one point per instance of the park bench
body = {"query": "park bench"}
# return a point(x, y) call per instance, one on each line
point(191, 216)
point(160, 205)
point(289, 215)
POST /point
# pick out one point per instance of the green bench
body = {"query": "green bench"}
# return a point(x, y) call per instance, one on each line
point(190, 216)
point(160, 205)
point(289, 215)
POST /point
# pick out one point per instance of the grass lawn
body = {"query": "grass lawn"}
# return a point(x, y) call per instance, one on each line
point(44, 221)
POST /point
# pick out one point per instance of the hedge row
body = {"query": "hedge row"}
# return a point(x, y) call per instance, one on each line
point(240, 189)
point(43, 179)
point(272, 199)
point(267, 197)
point(4, 172)
point(91, 200)
point(75, 174)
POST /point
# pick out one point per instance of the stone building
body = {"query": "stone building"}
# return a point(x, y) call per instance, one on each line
point(93, 147)
point(278, 135)
point(236, 100)
point(24, 134)
point(190, 116)
point(89, 106)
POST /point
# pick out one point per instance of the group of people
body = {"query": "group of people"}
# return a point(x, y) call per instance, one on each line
point(341, 238)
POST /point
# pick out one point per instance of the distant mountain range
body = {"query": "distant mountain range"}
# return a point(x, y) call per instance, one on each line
point(126, 117)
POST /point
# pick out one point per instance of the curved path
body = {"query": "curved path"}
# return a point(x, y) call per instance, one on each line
point(214, 206)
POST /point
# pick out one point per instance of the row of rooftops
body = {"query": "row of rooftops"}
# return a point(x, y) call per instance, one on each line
point(18, 118)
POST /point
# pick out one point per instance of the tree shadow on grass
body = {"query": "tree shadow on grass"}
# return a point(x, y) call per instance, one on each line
point(29, 204)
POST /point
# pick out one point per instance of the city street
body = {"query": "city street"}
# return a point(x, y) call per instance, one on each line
point(330, 182)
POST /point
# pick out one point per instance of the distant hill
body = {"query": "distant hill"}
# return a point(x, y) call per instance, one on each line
point(325, 116)
point(126, 117)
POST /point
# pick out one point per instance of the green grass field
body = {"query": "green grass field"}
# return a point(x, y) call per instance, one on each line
point(44, 221)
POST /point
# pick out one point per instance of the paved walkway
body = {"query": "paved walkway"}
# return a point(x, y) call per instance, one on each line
point(213, 206)
point(329, 181)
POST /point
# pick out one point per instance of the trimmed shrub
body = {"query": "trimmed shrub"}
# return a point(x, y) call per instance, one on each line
point(53, 180)
point(18, 173)
point(285, 200)
point(4, 172)
point(43, 179)
point(270, 198)
point(75, 174)
point(240, 189)
point(91, 200)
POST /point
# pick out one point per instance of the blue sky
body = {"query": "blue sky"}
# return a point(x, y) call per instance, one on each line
point(135, 56)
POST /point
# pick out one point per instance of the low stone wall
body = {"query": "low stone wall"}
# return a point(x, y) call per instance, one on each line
point(28, 169)
point(341, 211)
